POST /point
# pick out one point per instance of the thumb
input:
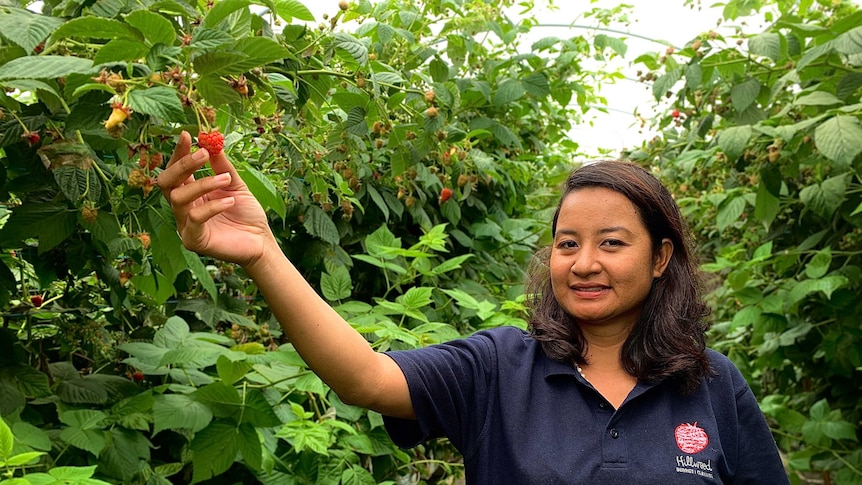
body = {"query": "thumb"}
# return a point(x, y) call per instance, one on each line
point(220, 164)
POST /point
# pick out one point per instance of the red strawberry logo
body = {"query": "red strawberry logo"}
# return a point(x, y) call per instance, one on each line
point(690, 438)
point(212, 141)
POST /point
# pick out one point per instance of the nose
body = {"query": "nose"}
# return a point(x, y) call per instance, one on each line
point(586, 262)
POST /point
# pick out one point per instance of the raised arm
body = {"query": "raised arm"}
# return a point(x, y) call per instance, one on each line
point(219, 217)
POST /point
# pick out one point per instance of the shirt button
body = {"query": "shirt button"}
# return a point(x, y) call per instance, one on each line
point(614, 434)
point(602, 405)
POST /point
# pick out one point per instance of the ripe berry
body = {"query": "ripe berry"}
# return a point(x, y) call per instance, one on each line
point(32, 137)
point(137, 376)
point(675, 113)
point(145, 239)
point(212, 141)
point(445, 194)
point(36, 300)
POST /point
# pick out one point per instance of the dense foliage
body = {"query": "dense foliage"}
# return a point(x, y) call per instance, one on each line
point(761, 140)
point(404, 159)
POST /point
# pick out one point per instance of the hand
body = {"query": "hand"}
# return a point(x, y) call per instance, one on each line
point(217, 216)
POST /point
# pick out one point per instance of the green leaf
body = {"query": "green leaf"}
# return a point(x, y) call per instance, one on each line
point(72, 473)
point(21, 459)
point(231, 371)
point(766, 206)
point(416, 297)
point(819, 264)
point(767, 45)
point(178, 411)
point(156, 29)
point(92, 440)
point(7, 441)
point(817, 98)
point(665, 83)
point(336, 285)
point(320, 225)
point(77, 184)
point(221, 10)
point(733, 140)
point(439, 70)
point(744, 94)
point(120, 50)
point(537, 85)
point(849, 43)
point(159, 101)
point(508, 91)
point(91, 27)
point(353, 46)
point(293, 9)
point(45, 67)
point(206, 39)
point(356, 475)
point(839, 139)
point(260, 51)
point(26, 29)
point(220, 63)
point(617, 45)
point(730, 212)
point(826, 197)
point(263, 189)
point(306, 435)
point(249, 446)
point(214, 450)
point(216, 91)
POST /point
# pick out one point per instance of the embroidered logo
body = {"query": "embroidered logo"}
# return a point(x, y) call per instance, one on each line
point(690, 438)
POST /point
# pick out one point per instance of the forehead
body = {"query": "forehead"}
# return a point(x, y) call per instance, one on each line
point(597, 206)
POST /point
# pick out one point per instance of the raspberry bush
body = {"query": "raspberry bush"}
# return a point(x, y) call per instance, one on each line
point(357, 132)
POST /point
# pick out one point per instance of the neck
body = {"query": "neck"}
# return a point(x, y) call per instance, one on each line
point(604, 346)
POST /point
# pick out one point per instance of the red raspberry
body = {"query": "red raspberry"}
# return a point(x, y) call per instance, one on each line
point(36, 300)
point(675, 113)
point(212, 141)
point(137, 376)
point(445, 194)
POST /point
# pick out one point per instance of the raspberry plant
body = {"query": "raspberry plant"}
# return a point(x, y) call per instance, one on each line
point(158, 366)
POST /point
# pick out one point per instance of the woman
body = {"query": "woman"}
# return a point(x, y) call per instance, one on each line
point(613, 385)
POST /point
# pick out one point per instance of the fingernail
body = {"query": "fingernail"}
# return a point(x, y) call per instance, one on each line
point(222, 177)
point(199, 156)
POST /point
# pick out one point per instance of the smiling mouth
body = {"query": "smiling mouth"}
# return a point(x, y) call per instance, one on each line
point(589, 289)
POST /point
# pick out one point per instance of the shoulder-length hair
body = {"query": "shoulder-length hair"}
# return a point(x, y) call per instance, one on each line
point(668, 342)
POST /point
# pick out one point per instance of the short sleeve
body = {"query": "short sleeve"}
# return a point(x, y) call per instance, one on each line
point(450, 389)
point(758, 460)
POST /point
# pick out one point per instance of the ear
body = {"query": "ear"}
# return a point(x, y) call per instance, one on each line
point(662, 258)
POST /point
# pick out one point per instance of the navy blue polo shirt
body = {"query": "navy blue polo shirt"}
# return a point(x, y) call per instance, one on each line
point(518, 417)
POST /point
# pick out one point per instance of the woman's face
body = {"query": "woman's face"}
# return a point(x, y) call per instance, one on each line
point(602, 261)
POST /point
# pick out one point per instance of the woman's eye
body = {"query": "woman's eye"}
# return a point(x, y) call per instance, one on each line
point(567, 245)
point(613, 242)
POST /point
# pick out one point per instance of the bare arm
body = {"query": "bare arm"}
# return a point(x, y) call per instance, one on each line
point(218, 216)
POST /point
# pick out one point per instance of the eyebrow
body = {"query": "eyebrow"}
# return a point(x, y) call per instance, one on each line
point(606, 230)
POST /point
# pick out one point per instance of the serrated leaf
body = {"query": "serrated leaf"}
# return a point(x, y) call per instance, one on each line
point(353, 46)
point(221, 10)
point(159, 101)
point(96, 28)
point(77, 184)
point(336, 285)
point(819, 264)
point(509, 90)
point(214, 450)
point(850, 42)
point(439, 70)
point(206, 39)
point(220, 63)
point(263, 189)
point(249, 446)
point(826, 197)
point(293, 9)
point(665, 83)
point(767, 45)
point(231, 371)
point(320, 225)
point(92, 440)
point(733, 140)
point(817, 98)
point(839, 139)
point(730, 212)
point(260, 51)
point(156, 29)
point(537, 85)
point(766, 205)
point(119, 50)
point(7, 441)
point(25, 28)
point(744, 94)
point(178, 411)
point(193, 357)
point(44, 67)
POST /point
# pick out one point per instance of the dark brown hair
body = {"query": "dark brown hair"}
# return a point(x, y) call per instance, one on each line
point(668, 342)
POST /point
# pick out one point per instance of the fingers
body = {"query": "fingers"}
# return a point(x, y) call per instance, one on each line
point(184, 146)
